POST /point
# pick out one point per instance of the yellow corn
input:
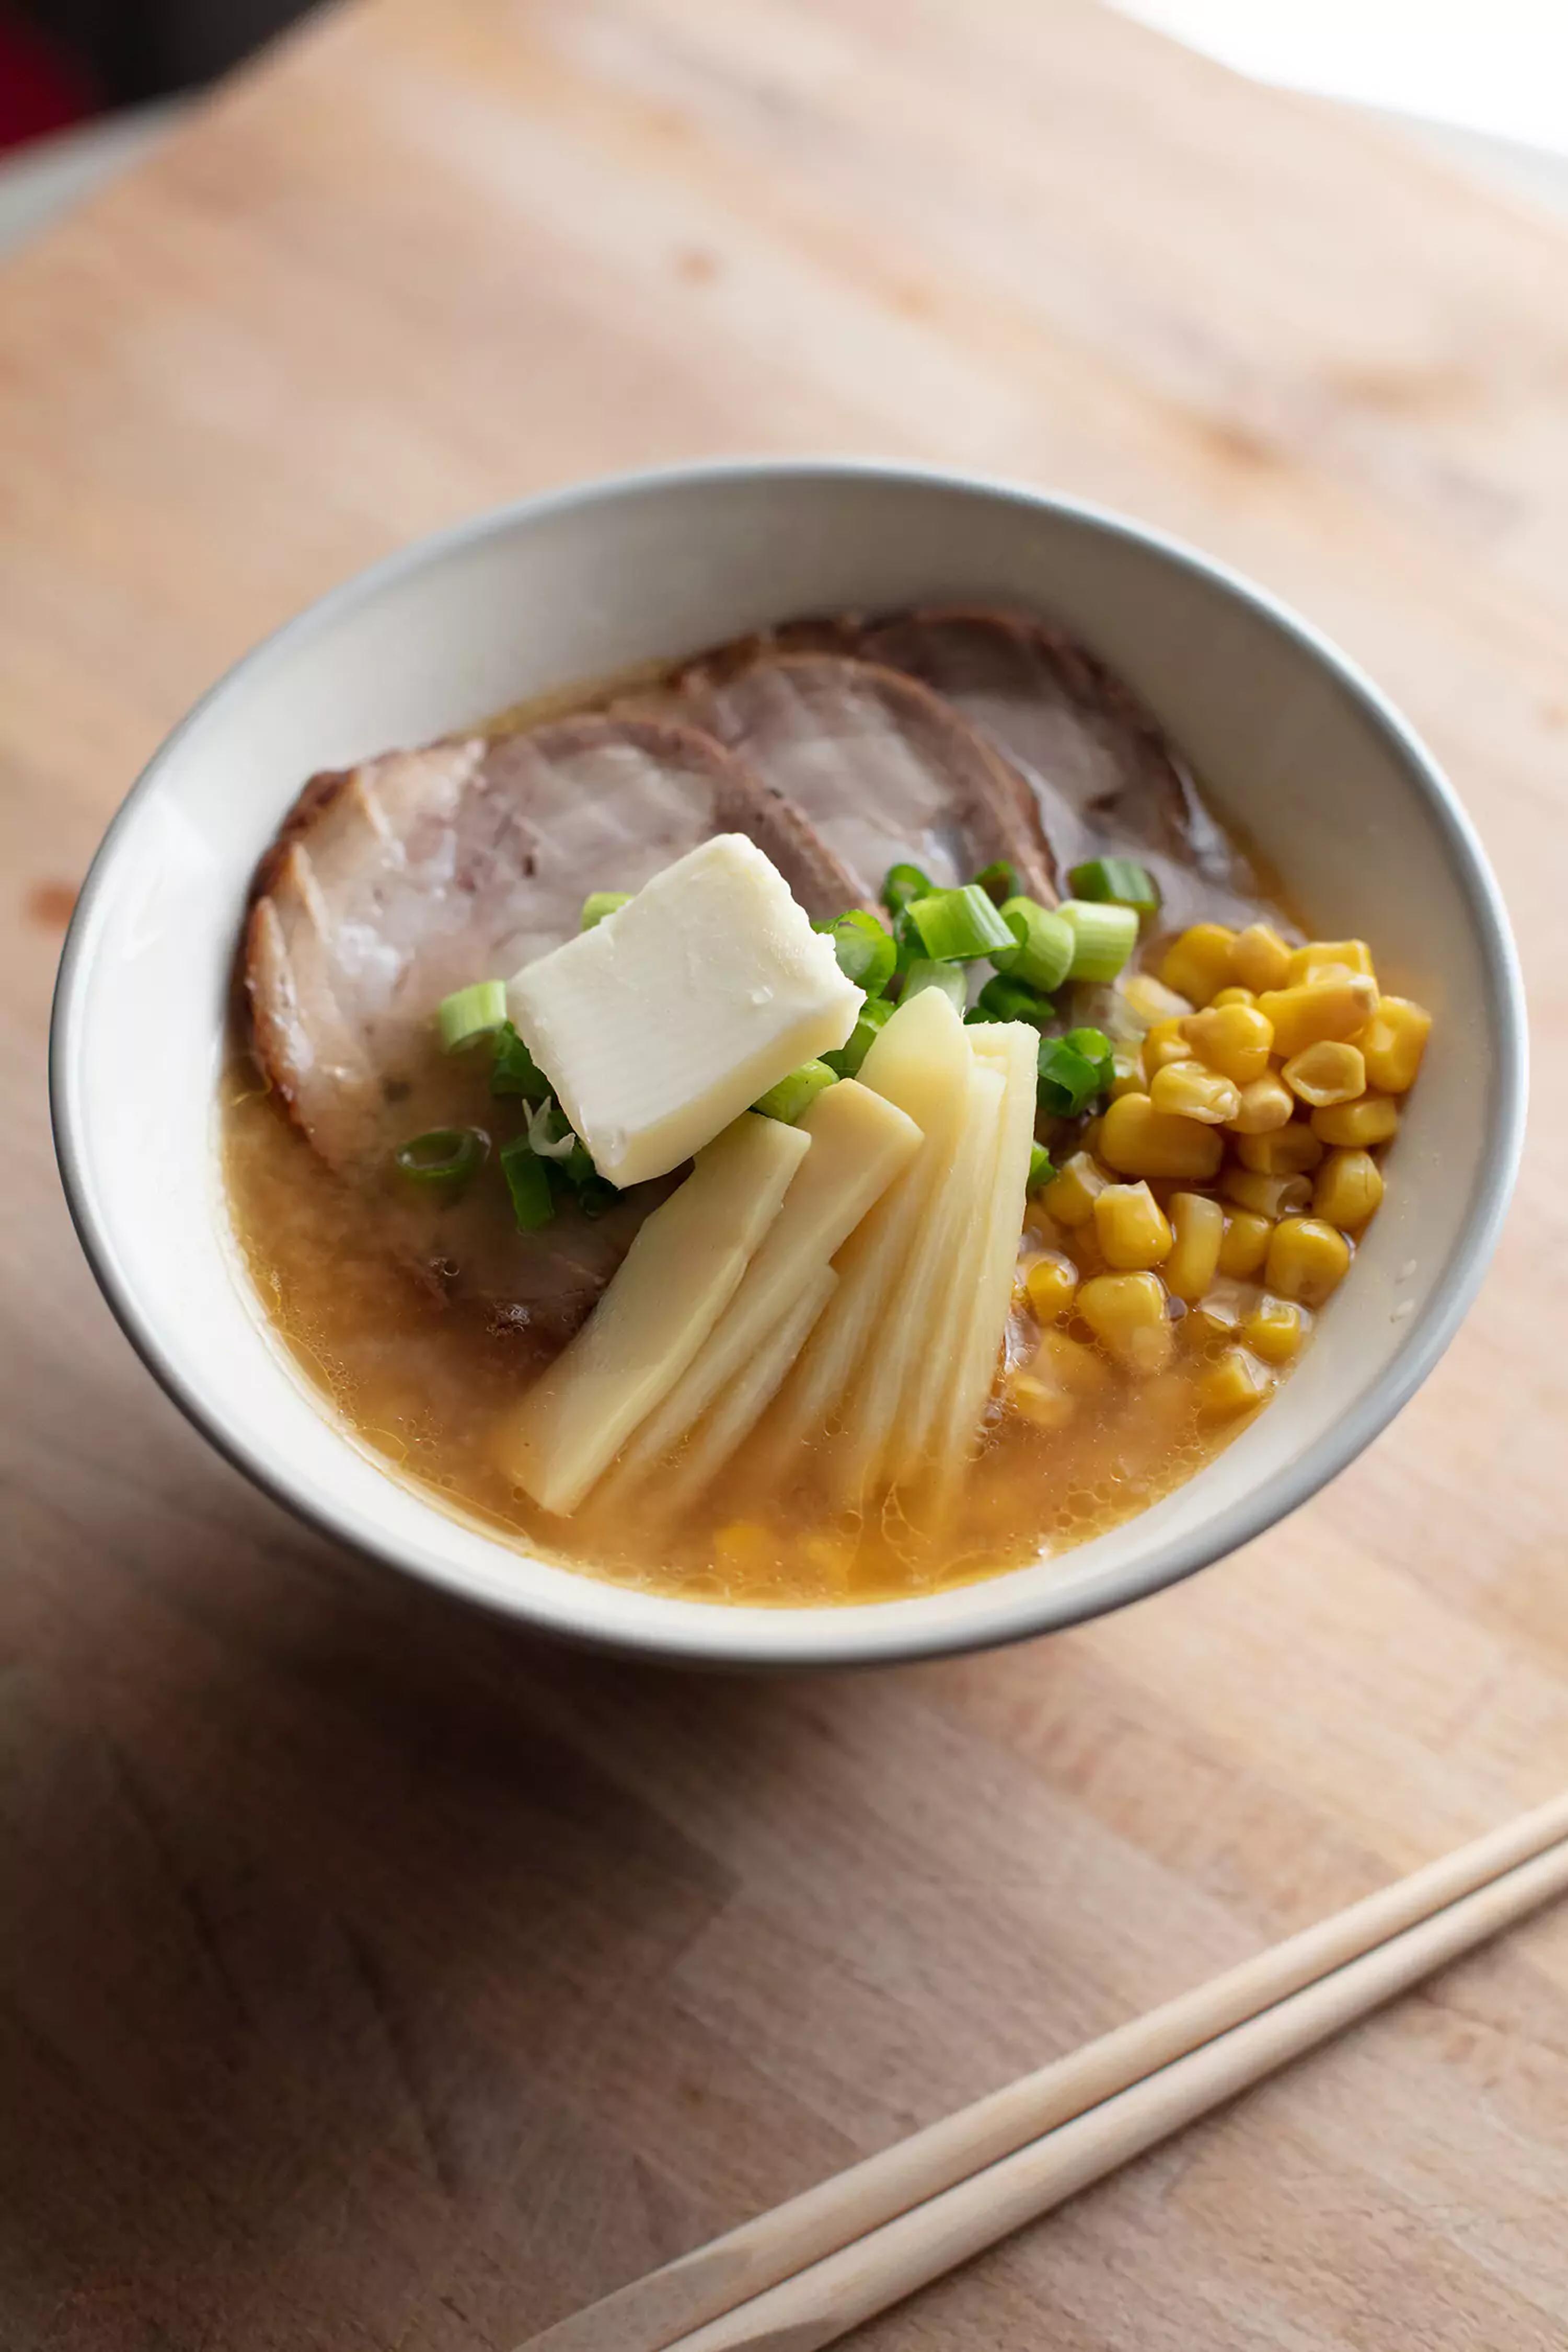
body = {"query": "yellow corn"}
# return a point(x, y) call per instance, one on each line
point(1198, 963)
point(1164, 1043)
point(1261, 959)
point(1050, 1282)
point(1197, 1226)
point(1232, 1385)
point(1139, 1140)
point(1041, 1402)
point(1130, 1226)
point(1234, 1039)
point(1318, 1008)
point(1266, 1196)
point(1126, 1312)
point(1089, 1139)
point(1129, 1078)
point(1292, 1150)
point(1373, 1119)
point(1246, 1242)
point(1065, 1363)
point(1349, 1189)
point(1327, 1073)
point(1276, 1328)
point(1069, 1196)
point(1149, 1000)
point(1320, 957)
point(1266, 1104)
point(1233, 996)
point(745, 1544)
point(1393, 1045)
point(1187, 1090)
point(832, 1555)
point(1306, 1259)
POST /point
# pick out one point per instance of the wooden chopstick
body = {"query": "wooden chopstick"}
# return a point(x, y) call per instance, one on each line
point(664, 2307)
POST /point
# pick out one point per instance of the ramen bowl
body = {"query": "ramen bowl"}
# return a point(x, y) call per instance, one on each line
point(1291, 741)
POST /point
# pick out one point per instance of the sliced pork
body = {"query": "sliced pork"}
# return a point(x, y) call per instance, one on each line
point(879, 767)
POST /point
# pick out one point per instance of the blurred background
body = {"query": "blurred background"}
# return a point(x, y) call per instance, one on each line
point(85, 85)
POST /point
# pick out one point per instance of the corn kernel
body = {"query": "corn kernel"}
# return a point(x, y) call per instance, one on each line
point(1126, 1312)
point(1319, 957)
point(1306, 1259)
point(1246, 1242)
point(1276, 1328)
point(1050, 1282)
point(1233, 996)
point(1327, 1073)
point(1260, 957)
point(1349, 1189)
point(1041, 1402)
point(1292, 1150)
point(1164, 1043)
point(1198, 963)
point(1214, 1320)
point(1266, 1104)
point(1069, 1196)
point(1089, 1139)
point(832, 1555)
point(1065, 1363)
point(1139, 1140)
point(1393, 1045)
point(1129, 1078)
point(1235, 1039)
point(1186, 1090)
point(1149, 1000)
point(1233, 1386)
point(1130, 1226)
point(745, 1544)
point(1197, 1226)
point(1266, 1196)
point(1373, 1119)
point(1318, 1008)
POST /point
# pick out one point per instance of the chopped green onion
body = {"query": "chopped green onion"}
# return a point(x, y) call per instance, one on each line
point(471, 1014)
point(447, 1155)
point(593, 1193)
point(528, 1181)
point(1103, 937)
point(866, 951)
point(1116, 881)
point(1006, 999)
point(959, 926)
point(999, 881)
point(848, 1057)
point(903, 885)
point(514, 1070)
point(1069, 1079)
point(1095, 1046)
point(550, 1135)
point(795, 1094)
point(948, 977)
point(1042, 949)
point(600, 903)
point(1040, 1169)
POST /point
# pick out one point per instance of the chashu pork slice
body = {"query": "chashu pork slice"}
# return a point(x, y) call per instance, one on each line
point(393, 883)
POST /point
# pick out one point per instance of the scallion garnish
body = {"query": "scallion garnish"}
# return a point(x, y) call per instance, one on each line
point(1117, 881)
point(528, 1181)
point(1041, 951)
point(1069, 1080)
point(600, 903)
point(1006, 999)
point(514, 1070)
point(446, 1155)
point(795, 1094)
point(848, 1057)
point(1103, 937)
point(471, 1014)
point(549, 1133)
point(948, 977)
point(999, 881)
point(902, 884)
point(866, 951)
point(959, 926)
point(1040, 1169)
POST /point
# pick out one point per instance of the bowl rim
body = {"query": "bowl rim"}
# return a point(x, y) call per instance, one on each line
point(883, 1633)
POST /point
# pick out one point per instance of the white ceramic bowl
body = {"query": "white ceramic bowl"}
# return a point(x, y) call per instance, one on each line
point(1286, 733)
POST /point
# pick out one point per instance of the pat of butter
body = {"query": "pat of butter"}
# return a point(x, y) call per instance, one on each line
point(670, 1017)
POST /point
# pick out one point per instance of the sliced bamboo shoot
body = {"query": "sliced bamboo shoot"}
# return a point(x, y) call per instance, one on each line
point(737, 1412)
point(679, 1276)
point(859, 1142)
point(1012, 1048)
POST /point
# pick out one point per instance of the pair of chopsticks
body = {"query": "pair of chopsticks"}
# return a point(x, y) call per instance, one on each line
point(809, 2271)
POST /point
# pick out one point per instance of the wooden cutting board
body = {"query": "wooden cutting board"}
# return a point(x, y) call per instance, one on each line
point(373, 1977)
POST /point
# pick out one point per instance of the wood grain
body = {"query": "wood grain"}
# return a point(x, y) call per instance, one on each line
point(372, 1978)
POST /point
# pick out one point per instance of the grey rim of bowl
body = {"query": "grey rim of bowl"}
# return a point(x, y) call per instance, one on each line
point(882, 1634)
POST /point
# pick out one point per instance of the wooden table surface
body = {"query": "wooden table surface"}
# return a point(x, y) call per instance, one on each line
point(371, 1976)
